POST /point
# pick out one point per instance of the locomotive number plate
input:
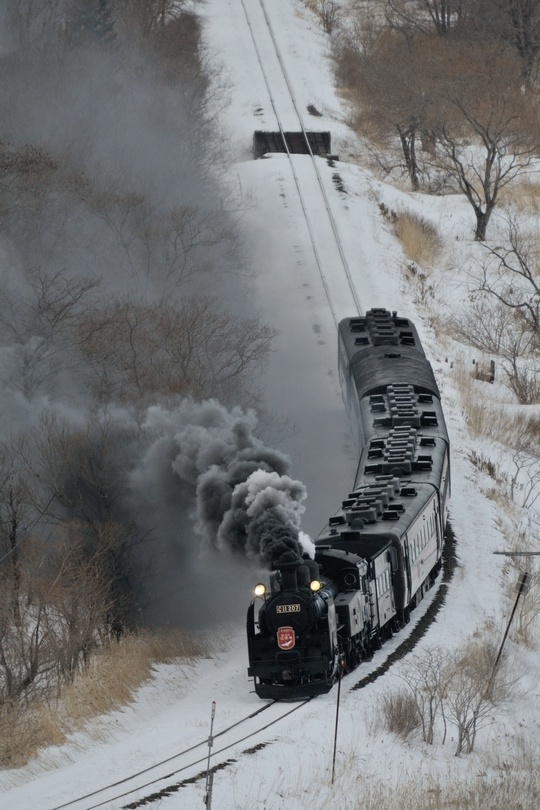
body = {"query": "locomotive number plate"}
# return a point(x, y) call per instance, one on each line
point(288, 608)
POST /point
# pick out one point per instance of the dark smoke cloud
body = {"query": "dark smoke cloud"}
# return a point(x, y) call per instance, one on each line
point(264, 516)
point(115, 131)
point(205, 461)
point(212, 503)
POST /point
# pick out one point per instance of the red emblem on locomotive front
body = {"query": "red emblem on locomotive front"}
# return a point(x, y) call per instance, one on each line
point(286, 638)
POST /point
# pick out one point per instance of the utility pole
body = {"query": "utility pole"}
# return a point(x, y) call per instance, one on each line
point(522, 587)
point(340, 668)
point(210, 775)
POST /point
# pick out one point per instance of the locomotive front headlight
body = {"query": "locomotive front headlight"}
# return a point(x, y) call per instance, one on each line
point(260, 589)
point(315, 585)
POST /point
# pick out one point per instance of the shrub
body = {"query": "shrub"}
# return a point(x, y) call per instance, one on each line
point(420, 239)
point(400, 713)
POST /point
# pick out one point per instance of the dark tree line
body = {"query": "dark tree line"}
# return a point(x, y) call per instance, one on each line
point(116, 254)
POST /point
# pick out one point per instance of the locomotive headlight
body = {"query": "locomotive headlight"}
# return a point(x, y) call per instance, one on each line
point(260, 589)
point(315, 585)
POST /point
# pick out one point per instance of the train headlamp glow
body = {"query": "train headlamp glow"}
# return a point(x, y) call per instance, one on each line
point(315, 585)
point(260, 589)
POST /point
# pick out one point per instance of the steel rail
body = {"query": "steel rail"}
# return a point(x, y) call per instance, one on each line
point(331, 217)
point(163, 761)
point(301, 197)
point(203, 759)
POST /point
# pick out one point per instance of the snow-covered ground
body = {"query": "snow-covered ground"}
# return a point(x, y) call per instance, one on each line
point(172, 712)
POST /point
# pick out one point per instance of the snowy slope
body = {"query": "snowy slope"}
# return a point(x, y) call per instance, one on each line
point(172, 713)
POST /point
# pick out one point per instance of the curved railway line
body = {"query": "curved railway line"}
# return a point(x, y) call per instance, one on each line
point(407, 645)
point(76, 803)
point(94, 799)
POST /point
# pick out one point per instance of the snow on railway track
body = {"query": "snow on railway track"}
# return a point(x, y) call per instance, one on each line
point(310, 183)
point(227, 741)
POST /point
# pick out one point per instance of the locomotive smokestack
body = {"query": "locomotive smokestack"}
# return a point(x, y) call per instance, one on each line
point(302, 576)
point(312, 566)
point(289, 574)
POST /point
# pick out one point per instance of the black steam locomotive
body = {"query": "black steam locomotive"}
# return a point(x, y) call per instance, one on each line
point(382, 550)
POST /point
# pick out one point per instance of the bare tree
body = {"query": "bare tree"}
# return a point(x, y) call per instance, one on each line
point(328, 12)
point(41, 323)
point(14, 531)
point(147, 16)
point(515, 22)
point(428, 675)
point(506, 311)
point(524, 478)
point(391, 86)
point(36, 23)
point(523, 25)
point(170, 246)
point(26, 657)
point(485, 126)
point(88, 606)
point(474, 689)
point(27, 175)
point(512, 276)
point(40, 205)
point(198, 349)
point(76, 487)
point(463, 690)
point(467, 107)
point(441, 16)
point(64, 570)
point(497, 331)
point(444, 14)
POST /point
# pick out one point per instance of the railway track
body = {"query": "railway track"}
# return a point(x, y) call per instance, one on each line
point(280, 93)
point(283, 102)
point(114, 792)
point(155, 781)
point(126, 787)
point(427, 615)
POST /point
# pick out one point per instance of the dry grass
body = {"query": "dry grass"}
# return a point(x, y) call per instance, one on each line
point(166, 646)
point(113, 675)
point(523, 197)
point(399, 713)
point(115, 672)
point(24, 730)
point(501, 792)
point(512, 428)
point(510, 784)
point(419, 238)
